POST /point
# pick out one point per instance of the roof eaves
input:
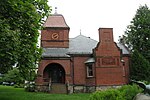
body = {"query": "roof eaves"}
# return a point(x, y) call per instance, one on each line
point(67, 56)
point(79, 53)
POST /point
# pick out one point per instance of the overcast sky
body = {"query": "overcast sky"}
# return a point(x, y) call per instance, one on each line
point(89, 15)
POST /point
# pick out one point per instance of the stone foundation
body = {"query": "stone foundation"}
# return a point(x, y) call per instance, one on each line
point(79, 89)
point(69, 89)
point(83, 89)
point(90, 89)
point(102, 88)
point(41, 88)
point(76, 88)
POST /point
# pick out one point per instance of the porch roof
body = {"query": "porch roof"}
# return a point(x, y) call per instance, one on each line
point(55, 52)
point(90, 60)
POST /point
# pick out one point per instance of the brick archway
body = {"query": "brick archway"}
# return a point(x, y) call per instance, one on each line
point(55, 73)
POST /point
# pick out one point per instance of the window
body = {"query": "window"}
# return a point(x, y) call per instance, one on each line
point(89, 71)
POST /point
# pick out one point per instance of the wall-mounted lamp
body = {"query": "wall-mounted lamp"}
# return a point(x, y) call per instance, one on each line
point(123, 62)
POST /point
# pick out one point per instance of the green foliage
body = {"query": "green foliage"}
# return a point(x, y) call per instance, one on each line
point(9, 45)
point(140, 67)
point(137, 38)
point(111, 94)
point(20, 22)
point(126, 92)
point(19, 86)
point(13, 76)
point(30, 86)
point(129, 91)
point(137, 35)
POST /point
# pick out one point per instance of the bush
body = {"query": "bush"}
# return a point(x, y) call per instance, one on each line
point(111, 94)
point(19, 86)
point(126, 92)
point(30, 86)
point(30, 89)
point(129, 91)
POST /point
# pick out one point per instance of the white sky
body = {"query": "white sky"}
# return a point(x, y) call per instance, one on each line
point(90, 15)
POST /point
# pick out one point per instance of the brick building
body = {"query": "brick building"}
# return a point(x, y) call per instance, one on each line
point(79, 64)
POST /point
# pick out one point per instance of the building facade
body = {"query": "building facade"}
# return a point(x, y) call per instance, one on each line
point(79, 64)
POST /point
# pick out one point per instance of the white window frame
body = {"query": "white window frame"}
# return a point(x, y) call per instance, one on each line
point(89, 70)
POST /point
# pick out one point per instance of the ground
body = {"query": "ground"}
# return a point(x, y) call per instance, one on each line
point(11, 93)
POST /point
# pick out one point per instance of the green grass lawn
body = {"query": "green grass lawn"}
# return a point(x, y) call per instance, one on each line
point(11, 93)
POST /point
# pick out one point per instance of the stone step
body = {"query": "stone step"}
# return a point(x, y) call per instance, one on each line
point(58, 88)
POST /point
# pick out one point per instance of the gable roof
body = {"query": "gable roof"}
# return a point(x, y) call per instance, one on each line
point(78, 45)
point(81, 45)
point(55, 20)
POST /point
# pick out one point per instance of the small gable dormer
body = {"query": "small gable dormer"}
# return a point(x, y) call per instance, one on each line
point(55, 33)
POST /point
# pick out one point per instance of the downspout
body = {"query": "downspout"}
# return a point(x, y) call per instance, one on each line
point(73, 73)
point(94, 55)
point(72, 60)
point(95, 74)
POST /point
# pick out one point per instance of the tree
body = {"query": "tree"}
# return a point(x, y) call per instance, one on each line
point(137, 38)
point(140, 67)
point(9, 45)
point(13, 76)
point(137, 35)
point(23, 20)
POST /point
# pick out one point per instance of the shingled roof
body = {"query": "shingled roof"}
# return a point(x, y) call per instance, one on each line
point(123, 48)
point(81, 45)
point(56, 20)
point(78, 45)
point(55, 52)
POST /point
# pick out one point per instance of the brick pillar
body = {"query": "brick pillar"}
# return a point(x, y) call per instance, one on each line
point(106, 35)
point(108, 66)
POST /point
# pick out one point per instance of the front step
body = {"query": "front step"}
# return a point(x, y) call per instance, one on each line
point(58, 88)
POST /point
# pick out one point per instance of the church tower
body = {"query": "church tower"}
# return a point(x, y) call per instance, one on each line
point(55, 33)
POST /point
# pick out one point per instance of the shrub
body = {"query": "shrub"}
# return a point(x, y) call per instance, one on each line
point(111, 94)
point(129, 91)
point(19, 86)
point(30, 86)
point(126, 92)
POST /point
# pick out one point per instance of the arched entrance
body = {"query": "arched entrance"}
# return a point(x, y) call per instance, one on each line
point(55, 73)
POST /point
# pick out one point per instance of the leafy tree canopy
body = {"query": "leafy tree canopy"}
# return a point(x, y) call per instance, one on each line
point(140, 67)
point(137, 35)
point(137, 38)
point(20, 22)
point(13, 76)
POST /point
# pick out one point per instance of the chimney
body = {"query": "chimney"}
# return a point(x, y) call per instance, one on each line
point(106, 35)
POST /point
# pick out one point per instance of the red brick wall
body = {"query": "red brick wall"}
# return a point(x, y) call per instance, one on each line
point(126, 68)
point(64, 63)
point(109, 76)
point(90, 81)
point(109, 70)
point(79, 70)
point(61, 41)
point(106, 35)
